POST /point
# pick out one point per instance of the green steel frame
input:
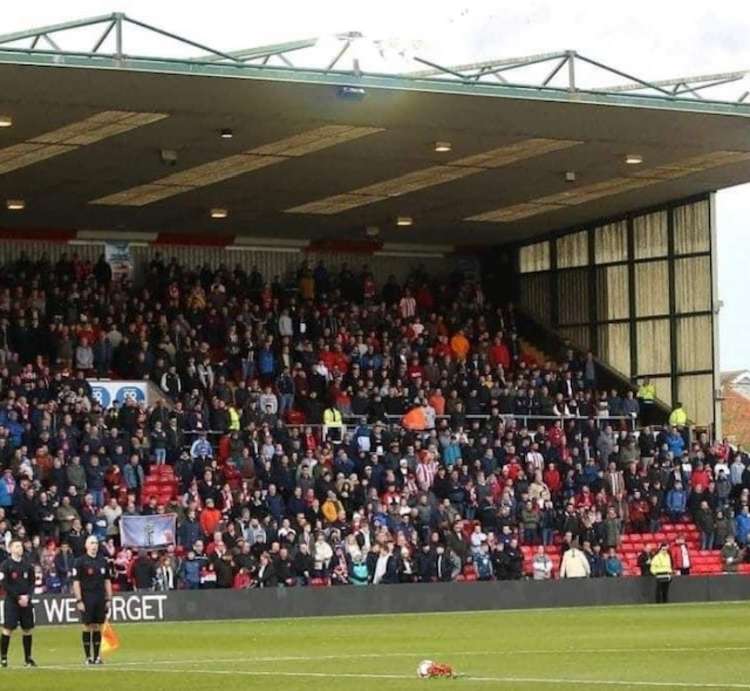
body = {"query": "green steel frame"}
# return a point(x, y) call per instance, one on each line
point(42, 46)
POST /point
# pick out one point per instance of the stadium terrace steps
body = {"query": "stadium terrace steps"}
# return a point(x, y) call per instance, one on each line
point(533, 355)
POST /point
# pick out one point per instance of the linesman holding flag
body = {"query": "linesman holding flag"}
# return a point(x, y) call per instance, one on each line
point(92, 588)
point(17, 579)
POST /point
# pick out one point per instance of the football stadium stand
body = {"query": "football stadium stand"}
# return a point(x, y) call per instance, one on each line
point(314, 326)
point(332, 429)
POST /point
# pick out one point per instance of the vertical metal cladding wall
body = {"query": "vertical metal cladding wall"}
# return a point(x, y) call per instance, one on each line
point(651, 311)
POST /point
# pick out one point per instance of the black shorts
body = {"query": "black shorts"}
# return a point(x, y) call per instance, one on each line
point(15, 616)
point(94, 609)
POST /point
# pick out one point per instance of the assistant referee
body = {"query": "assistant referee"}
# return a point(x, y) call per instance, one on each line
point(92, 588)
point(17, 579)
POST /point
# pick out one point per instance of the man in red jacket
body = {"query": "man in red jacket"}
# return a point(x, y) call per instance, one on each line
point(210, 518)
point(638, 509)
point(499, 353)
point(680, 554)
point(552, 479)
point(700, 476)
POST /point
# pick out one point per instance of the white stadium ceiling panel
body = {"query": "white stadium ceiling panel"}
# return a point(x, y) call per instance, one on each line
point(433, 176)
point(73, 136)
point(607, 188)
point(221, 169)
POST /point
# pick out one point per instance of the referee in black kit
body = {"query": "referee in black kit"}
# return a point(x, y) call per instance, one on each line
point(17, 579)
point(92, 588)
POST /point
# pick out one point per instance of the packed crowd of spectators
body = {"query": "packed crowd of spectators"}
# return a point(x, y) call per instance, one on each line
point(281, 425)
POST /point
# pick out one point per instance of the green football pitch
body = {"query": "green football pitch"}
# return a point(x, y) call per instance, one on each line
point(660, 647)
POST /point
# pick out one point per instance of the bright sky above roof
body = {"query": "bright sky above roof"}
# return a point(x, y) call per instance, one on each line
point(651, 40)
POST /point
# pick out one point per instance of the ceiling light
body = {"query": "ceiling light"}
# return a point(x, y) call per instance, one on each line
point(633, 159)
point(168, 157)
point(442, 147)
point(15, 204)
point(219, 213)
point(404, 221)
point(351, 93)
point(6, 121)
point(226, 133)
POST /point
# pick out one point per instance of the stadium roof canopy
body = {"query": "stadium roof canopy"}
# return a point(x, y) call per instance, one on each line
point(106, 140)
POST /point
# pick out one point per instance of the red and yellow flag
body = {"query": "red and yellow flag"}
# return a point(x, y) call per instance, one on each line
point(110, 639)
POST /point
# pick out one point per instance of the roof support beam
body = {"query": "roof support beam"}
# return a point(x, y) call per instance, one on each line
point(471, 74)
point(262, 52)
point(52, 28)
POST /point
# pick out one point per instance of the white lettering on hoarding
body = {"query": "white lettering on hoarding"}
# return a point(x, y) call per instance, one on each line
point(124, 608)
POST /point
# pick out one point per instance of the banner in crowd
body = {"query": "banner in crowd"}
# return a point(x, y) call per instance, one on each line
point(109, 392)
point(148, 532)
point(117, 255)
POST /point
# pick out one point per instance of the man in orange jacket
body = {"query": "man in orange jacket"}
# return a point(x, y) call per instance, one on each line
point(460, 346)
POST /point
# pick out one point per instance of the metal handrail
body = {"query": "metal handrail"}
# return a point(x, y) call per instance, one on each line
point(350, 421)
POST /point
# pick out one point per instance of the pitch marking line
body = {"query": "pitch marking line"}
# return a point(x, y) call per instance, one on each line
point(420, 655)
point(495, 680)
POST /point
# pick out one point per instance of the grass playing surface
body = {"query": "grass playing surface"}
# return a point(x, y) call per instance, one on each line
point(674, 646)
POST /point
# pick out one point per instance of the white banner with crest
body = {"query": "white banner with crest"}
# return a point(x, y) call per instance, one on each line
point(148, 532)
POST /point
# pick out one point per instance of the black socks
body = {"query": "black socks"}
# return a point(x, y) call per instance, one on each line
point(27, 646)
point(5, 643)
point(86, 638)
point(97, 643)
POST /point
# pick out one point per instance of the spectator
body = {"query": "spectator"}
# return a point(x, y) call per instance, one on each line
point(483, 564)
point(680, 557)
point(210, 518)
point(574, 563)
point(723, 528)
point(597, 567)
point(742, 526)
point(731, 555)
point(678, 417)
point(612, 564)
point(644, 560)
point(704, 519)
point(190, 571)
point(144, 572)
point(84, 355)
point(541, 565)
point(676, 502)
point(612, 529)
